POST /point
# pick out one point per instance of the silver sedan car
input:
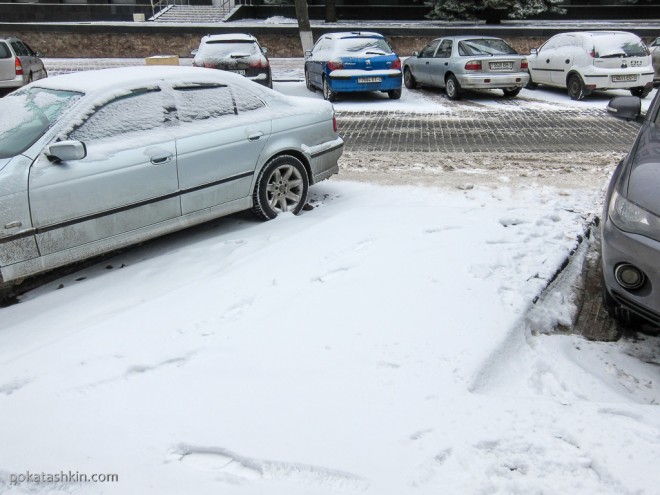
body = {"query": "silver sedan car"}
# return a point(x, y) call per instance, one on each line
point(95, 161)
point(631, 222)
point(458, 63)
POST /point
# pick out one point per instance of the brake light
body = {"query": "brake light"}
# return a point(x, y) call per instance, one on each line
point(19, 67)
point(473, 65)
point(593, 53)
point(524, 65)
point(396, 64)
point(335, 65)
point(334, 123)
point(261, 63)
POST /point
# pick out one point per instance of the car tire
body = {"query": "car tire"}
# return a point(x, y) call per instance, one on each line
point(409, 79)
point(394, 94)
point(642, 92)
point(452, 88)
point(328, 93)
point(308, 81)
point(282, 186)
point(511, 92)
point(575, 87)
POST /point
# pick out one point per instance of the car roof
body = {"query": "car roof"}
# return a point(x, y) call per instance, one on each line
point(354, 34)
point(467, 37)
point(108, 80)
point(228, 37)
point(590, 34)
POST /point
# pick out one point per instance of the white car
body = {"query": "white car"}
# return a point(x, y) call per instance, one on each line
point(587, 61)
point(655, 55)
point(94, 161)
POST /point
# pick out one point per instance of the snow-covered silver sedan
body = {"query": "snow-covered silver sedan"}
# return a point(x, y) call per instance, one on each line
point(95, 161)
point(457, 63)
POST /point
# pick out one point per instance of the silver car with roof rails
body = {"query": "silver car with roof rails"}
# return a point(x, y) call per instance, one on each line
point(95, 161)
point(19, 64)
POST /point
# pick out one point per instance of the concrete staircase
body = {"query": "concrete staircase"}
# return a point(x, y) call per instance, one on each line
point(192, 14)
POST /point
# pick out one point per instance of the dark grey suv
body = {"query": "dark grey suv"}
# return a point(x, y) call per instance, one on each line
point(19, 64)
point(631, 221)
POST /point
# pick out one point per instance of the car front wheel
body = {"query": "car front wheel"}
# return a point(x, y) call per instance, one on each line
point(394, 94)
point(409, 79)
point(452, 88)
point(282, 186)
point(576, 89)
point(308, 81)
point(328, 93)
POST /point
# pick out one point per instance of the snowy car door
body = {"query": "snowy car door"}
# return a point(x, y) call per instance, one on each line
point(219, 139)
point(423, 68)
point(126, 180)
point(562, 59)
point(440, 63)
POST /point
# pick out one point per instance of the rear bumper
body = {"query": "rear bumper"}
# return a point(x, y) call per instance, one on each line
point(324, 159)
point(17, 82)
point(493, 81)
point(602, 79)
point(342, 81)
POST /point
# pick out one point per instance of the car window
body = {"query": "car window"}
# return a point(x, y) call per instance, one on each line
point(444, 51)
point(362, 44)
point(141, 110)
point(202, 102)
point(429, 49)
point(228, 49)
point(485, 47)
point(19, 48)
point(553, 43)
point(27, 114)
point(605, 46)
point(4, 51)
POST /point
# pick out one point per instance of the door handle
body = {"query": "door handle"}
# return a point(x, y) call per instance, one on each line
point(161, 159)
point(255, 136)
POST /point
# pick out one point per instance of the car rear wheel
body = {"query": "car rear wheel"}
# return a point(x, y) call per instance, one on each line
point(282, 186)
point(511, 92)
point(452, 88)
point(642, 92)
point(576, 89)
point(394, 94)
point(409, 79)
point(328, 93)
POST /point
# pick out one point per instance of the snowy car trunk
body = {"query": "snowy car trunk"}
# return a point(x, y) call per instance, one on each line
point(619, 51)
point(7, 63)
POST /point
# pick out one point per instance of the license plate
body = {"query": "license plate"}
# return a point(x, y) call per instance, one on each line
point(240, 72)
point(500, 65)
point(368, 80)
point(626, 78)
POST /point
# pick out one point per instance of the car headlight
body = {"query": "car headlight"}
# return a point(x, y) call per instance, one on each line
point(632, 218)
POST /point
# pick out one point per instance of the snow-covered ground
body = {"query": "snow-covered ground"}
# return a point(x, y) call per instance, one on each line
point(385, 342)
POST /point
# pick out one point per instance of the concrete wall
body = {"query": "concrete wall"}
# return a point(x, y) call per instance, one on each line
point(128, 40)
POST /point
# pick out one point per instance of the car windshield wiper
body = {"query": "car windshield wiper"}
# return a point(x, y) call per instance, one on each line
point(614, 55)
point(239, 55)
point(375, 53)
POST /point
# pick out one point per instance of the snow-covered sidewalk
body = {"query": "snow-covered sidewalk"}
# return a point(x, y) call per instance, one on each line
point(384, 342)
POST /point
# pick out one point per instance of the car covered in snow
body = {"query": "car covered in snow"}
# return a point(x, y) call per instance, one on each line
point(353, 62)
point(239, 53)
point(586, 61)
point(459, 63)
point(97, 160)
point(631, 221)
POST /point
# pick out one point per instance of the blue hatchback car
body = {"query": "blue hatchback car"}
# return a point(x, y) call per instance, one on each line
point(353, 62)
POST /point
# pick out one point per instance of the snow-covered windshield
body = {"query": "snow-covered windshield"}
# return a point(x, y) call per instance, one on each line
point(485, 47)
point(27, 114)
point(376, 46)
point(612, 46)
point(224, 49)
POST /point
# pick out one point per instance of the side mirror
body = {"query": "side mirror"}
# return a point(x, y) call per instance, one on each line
point(65, 151)
point(193, 52)
point(534, 51)
point(308, 53)
point(415, 54)
point(625, 107)
point(264, 50)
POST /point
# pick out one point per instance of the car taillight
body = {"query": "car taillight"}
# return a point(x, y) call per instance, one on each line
point(396, 64)
point(593, 53)
point(334, 123)
point(335, 65)
point(524, 65)
point(262, 63)
point(473, 65)
point(19, 67)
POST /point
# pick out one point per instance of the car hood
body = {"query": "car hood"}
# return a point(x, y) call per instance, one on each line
point(644, 179)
